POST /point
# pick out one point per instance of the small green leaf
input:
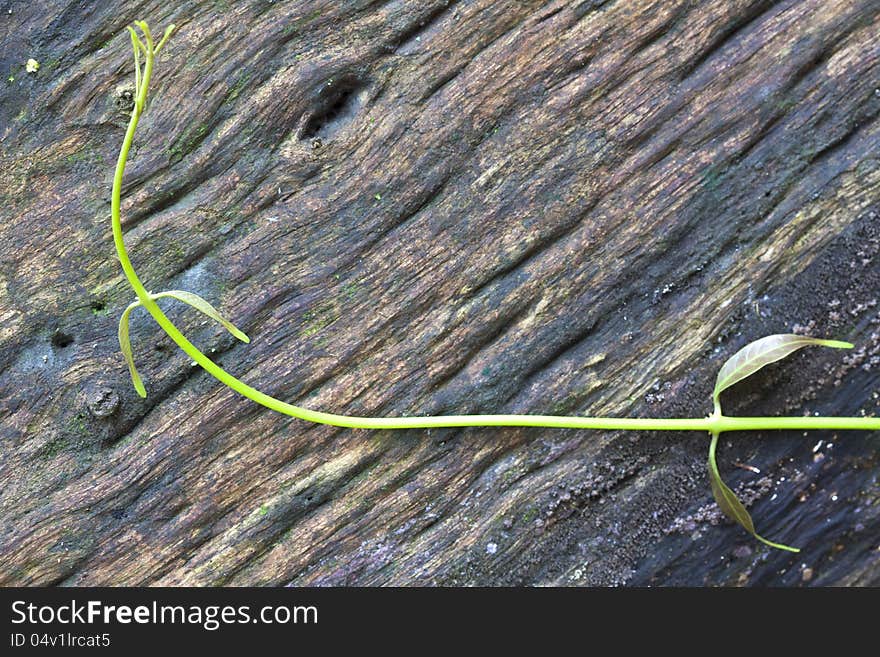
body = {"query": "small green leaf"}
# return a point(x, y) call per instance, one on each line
point(730, 504)
point(202, 306)
point(759, 353)
point(193, 300)
point(125, 346)
point(168, 31)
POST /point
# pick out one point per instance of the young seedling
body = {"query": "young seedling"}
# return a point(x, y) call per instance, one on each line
point(744, 363)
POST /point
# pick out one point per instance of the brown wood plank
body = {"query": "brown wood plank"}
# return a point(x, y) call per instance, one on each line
point(438, 207)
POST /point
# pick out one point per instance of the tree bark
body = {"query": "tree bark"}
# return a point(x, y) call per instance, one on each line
point(439, 207)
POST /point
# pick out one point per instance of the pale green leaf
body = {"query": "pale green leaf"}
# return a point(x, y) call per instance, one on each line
point(125, 346)
point(730, 504)
point(168, 31)
point(189, 298)
point(759, 353)
point(203, 306)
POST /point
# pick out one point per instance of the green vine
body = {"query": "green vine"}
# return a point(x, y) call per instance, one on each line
point(745, 362)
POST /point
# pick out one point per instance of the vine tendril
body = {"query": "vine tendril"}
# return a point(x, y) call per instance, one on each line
point(742, 364)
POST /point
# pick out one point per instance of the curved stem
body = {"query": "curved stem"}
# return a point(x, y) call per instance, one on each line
point(716, 423)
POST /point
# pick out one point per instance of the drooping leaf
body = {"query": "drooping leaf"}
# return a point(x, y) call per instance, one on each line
point(759, 353)
point(730, 504)
point(204, 307)
point(189, 298)
point(125, 346)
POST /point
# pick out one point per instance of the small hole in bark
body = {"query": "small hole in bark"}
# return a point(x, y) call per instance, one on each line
point(124, 99)
point(61, 339)
point(97, 306)
point(337, 104)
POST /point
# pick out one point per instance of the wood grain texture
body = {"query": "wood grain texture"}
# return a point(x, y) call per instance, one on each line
point(438, 207)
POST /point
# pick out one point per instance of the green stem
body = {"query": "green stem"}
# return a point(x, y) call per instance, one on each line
point(716, 423)
point(725, 423)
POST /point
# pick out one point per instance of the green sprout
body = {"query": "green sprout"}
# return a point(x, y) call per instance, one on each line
point(744, 363)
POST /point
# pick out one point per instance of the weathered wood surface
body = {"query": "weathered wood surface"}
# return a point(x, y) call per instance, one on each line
point(425, 207)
